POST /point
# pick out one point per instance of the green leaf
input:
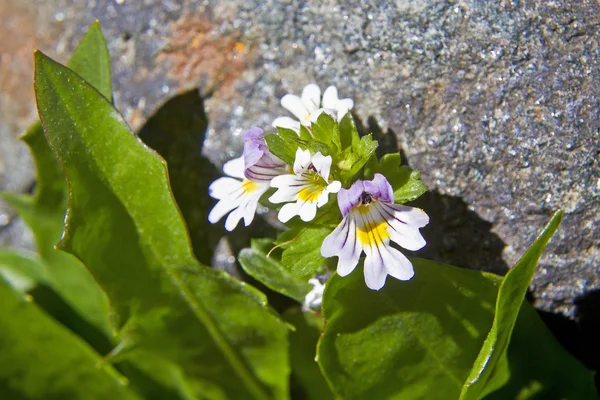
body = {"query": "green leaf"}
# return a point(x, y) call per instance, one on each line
point(40, 359)
point(306, 374)
point(286, 142)
point(272, 273)
point(284, 149)
point(326, 130)
point(44, 212)
point(124, 225)
point(302, 250)
point(510, 298)
point(355, 157)
point(348, 132)
point(411, 340)
point(21, 270)
point(92, 62)
point(538, 367)
point(404, 180)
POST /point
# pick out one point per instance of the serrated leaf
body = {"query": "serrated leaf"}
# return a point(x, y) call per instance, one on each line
point(510, 299)
point(348, 132)
point(45, 211)
point(302, 250)
point(283, 149)
point(40, 359)
point(325, 130)
point(411, 340)
point(124, 225)
point(272, 273)
point(306, 374)
point(404, 180)
point(355, 157)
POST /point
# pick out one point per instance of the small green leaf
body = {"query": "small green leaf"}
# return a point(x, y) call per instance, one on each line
point(348, 132)
point(272, 273)
point(410, 340)
point(405, 181)
point(510, 298)
point(326, 130)
point(126, 228)
point(355, 157)
point(40, 359)
point(303, 348)
point(302, 250)
point(283, 149)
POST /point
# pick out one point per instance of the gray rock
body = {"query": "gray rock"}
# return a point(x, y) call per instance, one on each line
point(494, 102)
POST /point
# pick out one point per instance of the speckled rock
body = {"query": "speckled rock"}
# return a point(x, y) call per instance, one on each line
point(495, 102)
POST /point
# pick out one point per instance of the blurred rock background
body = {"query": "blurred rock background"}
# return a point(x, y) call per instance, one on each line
point(496, 103)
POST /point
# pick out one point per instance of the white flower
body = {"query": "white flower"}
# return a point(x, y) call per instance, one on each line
point(371, 220)
point(240, 196)
point(308, 107)
point(308, 186)
point(314, 298)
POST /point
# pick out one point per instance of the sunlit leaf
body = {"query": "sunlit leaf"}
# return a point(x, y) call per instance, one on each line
point(45, 211)
point(411, 340)
point(302, 250)
point(124, 225)
point(405, 181)
point(272, 273)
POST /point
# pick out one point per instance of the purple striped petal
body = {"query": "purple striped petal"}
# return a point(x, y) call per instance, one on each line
point(348, 198)
point(380, 188)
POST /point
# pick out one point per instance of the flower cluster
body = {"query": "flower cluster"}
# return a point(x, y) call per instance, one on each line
point(309, 163)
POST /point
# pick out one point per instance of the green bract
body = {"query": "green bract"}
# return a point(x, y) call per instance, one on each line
point(122, 308)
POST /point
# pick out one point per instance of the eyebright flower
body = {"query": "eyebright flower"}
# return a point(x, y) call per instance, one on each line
point(308, 187)
point(260, 164)
point(307, 108)
point(240, 196)
point(255, 168)
point(371, 220)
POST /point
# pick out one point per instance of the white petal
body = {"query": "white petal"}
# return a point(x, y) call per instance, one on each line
point(342, 108)
point(342, 243)
point(334, 187)
point(404, 235)
point(330, 97)
point(322, 164)
point(223, 188)
point(235, 167)
point(323, 198)
point(397, 265)
point(284, 181)
point(374, 268)
point(311, 96)
point(302, 161)
point(233, 219)
point(222, 208)
point(286, 122)
point(314, 116)
point(295, 105)
point(307, 211)
point(285, 195)
point(410, 215)
point(288, 211)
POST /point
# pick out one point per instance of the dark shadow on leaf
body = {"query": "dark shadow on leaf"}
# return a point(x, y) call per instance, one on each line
point(176, 131)
point(581, 336)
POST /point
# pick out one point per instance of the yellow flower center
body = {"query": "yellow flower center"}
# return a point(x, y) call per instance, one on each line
point(371, 234)
point(249, 186)
point(313, 188)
